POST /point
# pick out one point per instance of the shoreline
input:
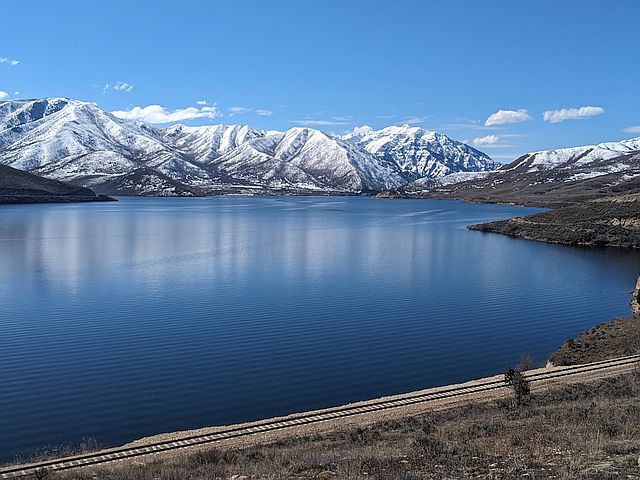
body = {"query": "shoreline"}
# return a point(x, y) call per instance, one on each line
point(45, 199)
point(367, 419)
point(611, 222)
point(359, 416)
point(620, 336)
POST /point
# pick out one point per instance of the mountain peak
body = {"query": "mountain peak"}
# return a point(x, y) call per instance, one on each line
point(419, 152)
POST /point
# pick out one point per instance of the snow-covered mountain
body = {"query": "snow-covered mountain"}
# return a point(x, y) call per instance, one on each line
point(587, 160)
point(419, 152)
point(562, 176)
point(209, 142)
point(77, 142)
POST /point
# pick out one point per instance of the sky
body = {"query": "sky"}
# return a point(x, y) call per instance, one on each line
point(507, 77)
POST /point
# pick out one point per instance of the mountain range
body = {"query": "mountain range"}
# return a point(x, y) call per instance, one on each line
point(546, 178)
point(78, 142)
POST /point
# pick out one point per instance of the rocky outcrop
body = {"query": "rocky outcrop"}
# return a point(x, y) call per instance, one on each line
point(635, 299)
point(600, 223)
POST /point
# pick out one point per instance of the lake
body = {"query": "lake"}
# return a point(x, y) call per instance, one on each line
point(120, 320)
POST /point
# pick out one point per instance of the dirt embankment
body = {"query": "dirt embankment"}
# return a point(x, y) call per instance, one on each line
point(617, 338)
point(571, 432)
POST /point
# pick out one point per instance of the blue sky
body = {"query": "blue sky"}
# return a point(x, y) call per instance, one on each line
point(333, 65)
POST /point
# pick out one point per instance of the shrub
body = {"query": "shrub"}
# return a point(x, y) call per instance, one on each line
point(429, 446)
point(518, 383)
point(525, 363)
point(209, 456)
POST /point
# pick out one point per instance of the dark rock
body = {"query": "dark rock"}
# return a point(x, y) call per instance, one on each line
point(17, 186)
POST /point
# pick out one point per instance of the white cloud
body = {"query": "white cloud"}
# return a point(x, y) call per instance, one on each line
point(503, 117)
point(3, 94)
point(238, 110)
point(201, 102)
point(118, 87)
point(122, 87)
point(318, 123)
point(635, 129)
point(556, 116)
point(261, 112)
point(505, 156)
point(469, 125)
point(362, 130)
point(414, 120)
point(486, 140)
point(159, 114)
point(10, 61)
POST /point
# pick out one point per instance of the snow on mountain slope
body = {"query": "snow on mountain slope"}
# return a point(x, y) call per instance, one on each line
point(71, 140)
point(419, 152)
point(76, 141)
point(573, 157)
point(307, 158)
point(561, 176)
point(209, 142)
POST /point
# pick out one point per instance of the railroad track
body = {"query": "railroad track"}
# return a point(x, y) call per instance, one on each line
point(225, 433)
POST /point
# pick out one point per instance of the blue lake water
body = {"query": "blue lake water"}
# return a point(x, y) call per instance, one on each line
point(120, 320)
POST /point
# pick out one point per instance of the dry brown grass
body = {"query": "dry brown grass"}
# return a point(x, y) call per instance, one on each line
point(580, 431)
point(617, 338)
